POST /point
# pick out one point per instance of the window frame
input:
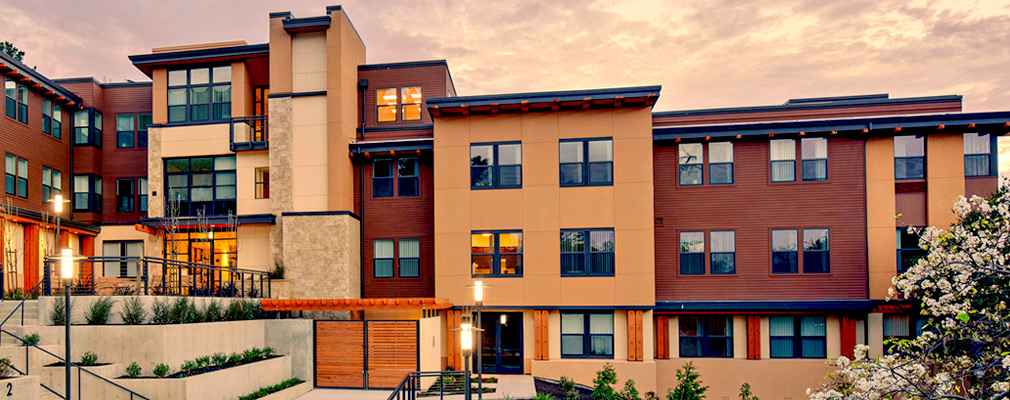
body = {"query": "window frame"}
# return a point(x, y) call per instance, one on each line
point(130, 197)
point(712, 254)
point(142, 195)
point(731, 163)
point(681, 253)
point(189, 105)
point(11, 174)
point(55, 185)
point(796, 251)
point(218, 206)
point(124, 264)
point(587, 252)
point(395, 106)
point(496, 255)
point(587, 335)
point(132, 131)
point(391, 178)
point(92, 132)
point(495, 166)
point(93, 193)
point(400, 258)
point(797, 337)
point(801, 251)
point(988, 156)
point(804, 160)
point(586, 164)
point(705, 336)
point(418, 103)
point(11, 99)
point(899, 251)
point(261, 178)
point(825, 254)
point(17, 104)
point(772, 162)
point(391, 259)
point(413, 180)
point(905, 158)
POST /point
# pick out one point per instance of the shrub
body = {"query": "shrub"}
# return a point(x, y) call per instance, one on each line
point(629, 392)
point(89, 359)
point(213, 312)
point(604, 379)
point(133, 370)
point(234, 359)
point(178, 310)
point(99, 312)
point(161, 312)
point(161, 370)
point(203, 362)
point(278, 272)
point(650, 395)
point(30, 339)
point(543, 396)
point(269, 351)
point(15, 294)
point(219, 359)
point(192, 314)
point(745, 393)
point(59, 312)
point(235, 311)
point(133, 312)
point(263, 392)
point(688, 384)
point(6, 369)
point(568, 388)
point(251, 355)
point(188, 367)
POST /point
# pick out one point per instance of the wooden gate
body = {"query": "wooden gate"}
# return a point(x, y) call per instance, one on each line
point(365, 354)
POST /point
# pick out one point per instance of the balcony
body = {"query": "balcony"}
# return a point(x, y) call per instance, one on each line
point(249, 133)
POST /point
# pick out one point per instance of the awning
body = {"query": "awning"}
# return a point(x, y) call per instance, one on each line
point(417, 303)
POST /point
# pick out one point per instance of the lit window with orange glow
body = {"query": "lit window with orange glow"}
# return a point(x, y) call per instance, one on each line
point(496, 253)
point(410, 98)
point(386, 101)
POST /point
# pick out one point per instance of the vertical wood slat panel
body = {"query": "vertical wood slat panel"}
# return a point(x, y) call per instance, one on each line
point(753, 337)
point(639, 337)
point(662, 338)
point(538, 335)
point(340, 354)
point(31, 256)
point(392, 352)
point(631, 335)
point(545, 335)
point(848, 336)
point(452, 319)
point(635, 340)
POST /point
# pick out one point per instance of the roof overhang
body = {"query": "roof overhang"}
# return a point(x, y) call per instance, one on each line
point(817, 103)
point(148, 62)
point(373, 148)
point(777, 306)
point(997, 122)
point(20, 73)
point(307, 24)
point(416, 303)
point(213, 221)
point(641, 96)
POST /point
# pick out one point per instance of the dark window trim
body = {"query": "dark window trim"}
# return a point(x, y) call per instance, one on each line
point(392, 260)
point(496, 255)
point(800, 250)
point(587, 336)
point(416, 178)
point(391, 178)
point(797, 152)
point(797, 337)
point(94, 197)
point(51, 186)
point(495, 166)
point(19, 181)
point(210, 85)
point(587, 252)
point(123, 264)
point(261, 186)
point(20, 108)
point(94, 130)
point(185, 206)
point(706, 336)
point(142, 204)
point(586, 163)
point(902, 231)
point(132, 196)
point(711, 253)
point(681, 253)
point(803, 161)
point(991, 161)
point(133, 131)
point(804, 250)
point(401, 104)
point(399, 260)
point(396, 106)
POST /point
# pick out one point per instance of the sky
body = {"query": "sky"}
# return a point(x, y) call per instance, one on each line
point(705, 53)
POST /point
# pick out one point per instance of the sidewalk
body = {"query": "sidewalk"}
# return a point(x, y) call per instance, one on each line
point(513, 386)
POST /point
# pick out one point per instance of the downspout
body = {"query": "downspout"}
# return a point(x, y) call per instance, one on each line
point(363, 85)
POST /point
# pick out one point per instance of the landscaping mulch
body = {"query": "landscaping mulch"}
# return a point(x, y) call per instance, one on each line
point(553, 388)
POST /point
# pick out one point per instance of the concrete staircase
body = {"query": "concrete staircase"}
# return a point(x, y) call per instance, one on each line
point(31, 316)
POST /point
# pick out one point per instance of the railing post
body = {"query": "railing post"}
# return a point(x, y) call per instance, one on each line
point(164, 270)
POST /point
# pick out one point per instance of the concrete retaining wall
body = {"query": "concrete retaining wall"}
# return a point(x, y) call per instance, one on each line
point(20, 388)
point(224, 384)
point(80, 304)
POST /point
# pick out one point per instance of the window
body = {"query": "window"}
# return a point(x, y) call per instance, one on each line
point(385, 99)
point(586, 162)
point(23, 104)
point(689, 155)
point(199, 94)
point(218, 247)
point(16, 174)
point(496, 166)
point(409, 257)
point(142, 194)
point(263, 183)
point(723, 252)
point(720, 163)
point(122, 268)
point(909, 157)
point(784, 251)
point(382, 178)
point(57, 127)
point(124, 195)
point(206, 183)
point(47, 116)
point(124, 131)
point(898, 327)
point(410, 98)
point(783, 159)
point(798, 337)
point(909, 251)
point(383, 258)
point(816, 251)
point(82, 126)
point(692, 253)
point(52, 184)
point(587, 335)
point(88, 193)
point(143, 121)
point(587, 252)
point(814, 152)
point(705, 336)
point(408, 181)
point(17, 101)
point(496, 253)
point(977, 154)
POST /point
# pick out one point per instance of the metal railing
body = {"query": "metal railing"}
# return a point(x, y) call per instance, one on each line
point(177, 278)
point(61, 360)
point(447, 382)
point(249, 133)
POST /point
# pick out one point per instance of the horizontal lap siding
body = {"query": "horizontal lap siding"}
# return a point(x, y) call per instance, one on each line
point(838, 112)
point(392, 352)
point(432, 80)
point(122, 163)
point(752, 207)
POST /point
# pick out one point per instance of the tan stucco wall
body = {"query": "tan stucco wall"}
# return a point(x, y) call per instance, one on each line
point(159, 96)
point(880, 212)
point(254, 248)
point(241, 90)
point(583, 371)
point(308, 62)
point(344, 52)
point(944, 177)
point(541, 208)
point(246, 163)
point(321, 256)
point(152, 244)
point(195, 140)
point(875, 334)
point(769, 379)
point(280, 58)
point(308, 156)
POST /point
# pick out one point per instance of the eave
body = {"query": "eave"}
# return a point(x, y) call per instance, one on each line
point(642, 96)
point(148, 62)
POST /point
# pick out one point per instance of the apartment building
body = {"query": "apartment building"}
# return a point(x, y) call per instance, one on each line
point(756, 242)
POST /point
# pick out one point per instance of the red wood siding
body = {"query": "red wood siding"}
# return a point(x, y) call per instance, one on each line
point(983, 186)
point(822, 113)
point(399, 218)
point(753, 207)
point(432, 80)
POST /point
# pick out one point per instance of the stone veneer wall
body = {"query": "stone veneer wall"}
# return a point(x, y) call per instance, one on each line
point(281, 178)
point(155, 175)
point(322, 255)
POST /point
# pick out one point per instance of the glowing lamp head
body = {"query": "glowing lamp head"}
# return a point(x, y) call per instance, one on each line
point(67, 263)
point(504, 319)
point(58, 203)
point(466, 335)
point(478, 290)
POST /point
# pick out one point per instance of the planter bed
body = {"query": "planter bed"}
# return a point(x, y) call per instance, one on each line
point(226, 383)
point(210, 369)
point(54, 376)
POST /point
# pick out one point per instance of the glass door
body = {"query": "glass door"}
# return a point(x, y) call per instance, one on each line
point(502, 343)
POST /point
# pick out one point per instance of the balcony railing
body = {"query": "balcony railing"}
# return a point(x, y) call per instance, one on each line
point(249, 133)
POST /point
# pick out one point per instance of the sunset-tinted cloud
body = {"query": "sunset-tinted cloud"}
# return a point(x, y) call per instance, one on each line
point(705, 53)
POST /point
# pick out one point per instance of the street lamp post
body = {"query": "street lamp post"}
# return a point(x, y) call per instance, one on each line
point(478, 299)
point(67, 273)
point(466, 344)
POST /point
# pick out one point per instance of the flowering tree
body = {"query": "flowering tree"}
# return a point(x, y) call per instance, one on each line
point(962, 286)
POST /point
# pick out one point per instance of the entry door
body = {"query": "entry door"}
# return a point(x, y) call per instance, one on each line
point(502, 344)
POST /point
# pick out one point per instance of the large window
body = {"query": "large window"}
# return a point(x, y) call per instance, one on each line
point(125, 130)
point(689, 156)
point(401, 172)
point(798, 337)
point(909, 251)
point(706, 336)
point(88, 128)
point(382, 178)
point(88, 193)
point(263, 183)
point(410, 103)
point(125, 200)
point(814, 152)
point(816, 251)
point(977, 154)
point(52, 183)
point(587, 252)
point(692, 253)
point(56, 129)
point(586, 162)
point(409, 106)
point(385, 100)
point(199, 94)
point(382, 258)
point(720, 163)
point(16, 176)
point(408, 258)
point(496, 166)
point(122, 268)
point(217, 247)
point(722, 252)
point(784, 251)
point(408, 179)
point(589, 335)
point(17, 101)
point(496, 253)
point(909, 157)
point(783, 160)
point(201, 183)
point(786, 257)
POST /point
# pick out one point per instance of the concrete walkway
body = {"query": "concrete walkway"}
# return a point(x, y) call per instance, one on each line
point(513, 386)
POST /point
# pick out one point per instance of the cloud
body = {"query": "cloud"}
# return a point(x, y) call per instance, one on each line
point(705, 53)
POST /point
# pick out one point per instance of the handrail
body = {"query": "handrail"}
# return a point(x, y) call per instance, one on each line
point(410, 385)
point(22, 303)
point(255, 135)
point(79, 369)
